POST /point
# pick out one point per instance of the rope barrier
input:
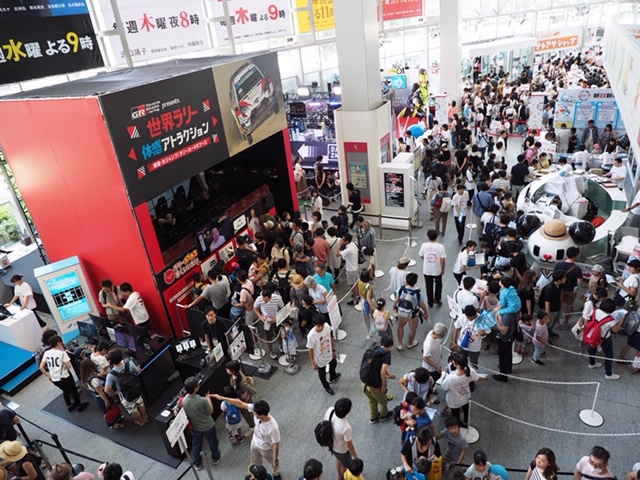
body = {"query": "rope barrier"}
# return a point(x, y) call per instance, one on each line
point(393, 239)
point(583, 355)
point(555, 430)
point(480, 367)
point(80, 455)
point(31, 423)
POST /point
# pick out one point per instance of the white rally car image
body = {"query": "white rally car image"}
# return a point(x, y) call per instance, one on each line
point(252, 99)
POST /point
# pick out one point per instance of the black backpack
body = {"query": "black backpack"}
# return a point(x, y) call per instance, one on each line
point(283, 286)
point(130, 386)
point(324, 432)
point(397, 419)
point(370, 368)
point(543, 295)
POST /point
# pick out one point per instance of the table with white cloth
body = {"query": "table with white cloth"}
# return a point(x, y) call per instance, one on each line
point(21, 329)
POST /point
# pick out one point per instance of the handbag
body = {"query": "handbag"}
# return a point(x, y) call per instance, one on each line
point(631, 323)
point(435, 473)
point(578, 331)
point(113, 413)
point(464, 341)
point(294, 312)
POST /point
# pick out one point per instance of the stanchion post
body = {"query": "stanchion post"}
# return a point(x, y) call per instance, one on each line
point(590, 416)
point(56, 440)
point(380, 223)
point(472, 434)
point(183, 446)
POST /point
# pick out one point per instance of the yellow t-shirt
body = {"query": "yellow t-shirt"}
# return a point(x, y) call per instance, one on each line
point(350, 476)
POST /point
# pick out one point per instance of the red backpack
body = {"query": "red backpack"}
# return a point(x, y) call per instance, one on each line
point(592, 335)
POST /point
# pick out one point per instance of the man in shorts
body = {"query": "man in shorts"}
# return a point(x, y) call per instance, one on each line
point(349, 253)
point(266, 307)
point(136, 407)
point(343, 448)
point(573, 275)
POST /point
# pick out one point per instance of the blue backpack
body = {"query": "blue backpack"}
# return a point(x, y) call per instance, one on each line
point(233, 415)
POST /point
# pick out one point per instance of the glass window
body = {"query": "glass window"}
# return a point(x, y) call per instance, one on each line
point(289, 85)
point(309, 78)
point(310, 59)
point(287, 60)
point(414, 40)
point(329, 56)
point(557, 18)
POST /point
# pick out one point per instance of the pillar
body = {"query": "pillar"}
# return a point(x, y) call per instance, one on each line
point(450, 47)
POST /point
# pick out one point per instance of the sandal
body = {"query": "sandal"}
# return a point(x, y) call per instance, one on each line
point(273, 355)
point(117, 426)
point(233, 440)
point(139, 423)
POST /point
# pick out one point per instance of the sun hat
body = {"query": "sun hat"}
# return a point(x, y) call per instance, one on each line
point(3, 474)
point(555, 230)
point(403, 261)
point(12, 450)
point(297, 280)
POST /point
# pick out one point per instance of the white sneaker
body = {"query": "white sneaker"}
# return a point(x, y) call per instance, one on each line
point(613, 376)
point(595, 365)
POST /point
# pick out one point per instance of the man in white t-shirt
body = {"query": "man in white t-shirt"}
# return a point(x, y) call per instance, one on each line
point(433, 256)
point(265, 444)
point(349, 253)
point(58, 372)
point(596, 465)
point(322, 352)
point(618, 173)
point(133, 305)
point(473, 344)
point(343, 448)
point(464, 296)
point(432, 351)
point(99, 356)
point(608, 325)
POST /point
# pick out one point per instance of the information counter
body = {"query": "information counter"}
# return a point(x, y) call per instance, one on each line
point(610, 202)
point(21, 329)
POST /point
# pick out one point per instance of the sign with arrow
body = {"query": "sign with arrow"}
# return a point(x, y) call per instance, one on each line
point(165, 132)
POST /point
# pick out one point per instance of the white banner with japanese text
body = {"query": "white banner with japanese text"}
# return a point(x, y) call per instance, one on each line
point(157, 29)
point(252, 20)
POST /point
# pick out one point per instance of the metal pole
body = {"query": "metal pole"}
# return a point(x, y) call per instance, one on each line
point(595, 398)
point(56, 440)
point(380, 223)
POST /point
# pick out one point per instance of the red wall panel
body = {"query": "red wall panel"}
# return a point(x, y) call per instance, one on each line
point(65, 166)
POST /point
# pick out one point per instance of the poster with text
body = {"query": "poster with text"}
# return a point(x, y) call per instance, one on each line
point(157, 29)
point(252, 20)
point(165, 132)
point(251, 100)
point(41, 47)
point(30, 9)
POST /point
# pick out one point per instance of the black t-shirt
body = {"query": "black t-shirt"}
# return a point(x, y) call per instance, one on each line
point(407, 451)
point(441, 171)
point(245, 258)
point(7, 429)
point(527, 294)
point(519, 262)
point(355, 201)
point(217, 331)
point(553, 296)
point(573, 273)
point(464, 136)
point(518, 174)
point(460, 155)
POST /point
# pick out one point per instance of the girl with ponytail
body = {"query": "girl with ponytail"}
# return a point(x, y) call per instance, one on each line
point(456, 384)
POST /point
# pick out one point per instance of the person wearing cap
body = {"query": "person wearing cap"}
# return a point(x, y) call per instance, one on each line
point(23, 292)
point(199, 410)
point(312, 470)
point(398, 274)
point(432, 351)
point(629, 287)
point(64, 471)
point(26, 465)
point(258, 472)
point(265, 443)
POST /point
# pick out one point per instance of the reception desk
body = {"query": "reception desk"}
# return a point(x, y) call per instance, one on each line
point(610, 202)
point(21, 330)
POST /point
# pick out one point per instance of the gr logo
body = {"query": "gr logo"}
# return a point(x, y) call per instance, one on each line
point(138, 112)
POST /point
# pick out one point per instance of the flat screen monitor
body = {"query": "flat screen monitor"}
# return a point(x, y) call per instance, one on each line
point(102, 324)
point(138, 332)
point(126, 340)
point(88, 331)
point(213, 235)
point(195, 318)
point(158, 374)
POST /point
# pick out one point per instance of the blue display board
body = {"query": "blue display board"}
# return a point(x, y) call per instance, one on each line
point(576, 107)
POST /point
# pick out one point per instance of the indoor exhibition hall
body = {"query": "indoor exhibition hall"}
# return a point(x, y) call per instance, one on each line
point(313, 240)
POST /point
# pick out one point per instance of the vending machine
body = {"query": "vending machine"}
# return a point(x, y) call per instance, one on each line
point(399, 208)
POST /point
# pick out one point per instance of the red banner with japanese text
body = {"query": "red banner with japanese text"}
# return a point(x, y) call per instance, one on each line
point(397, 9)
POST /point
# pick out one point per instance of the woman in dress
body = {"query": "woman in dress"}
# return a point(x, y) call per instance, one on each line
point(301, 178)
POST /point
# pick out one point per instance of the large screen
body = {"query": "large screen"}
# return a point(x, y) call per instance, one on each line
point(68, 295)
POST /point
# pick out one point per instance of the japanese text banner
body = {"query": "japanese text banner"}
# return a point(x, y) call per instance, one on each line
point(41, 47)
point(157, 29)
point(21, 9)
point(165, 132)
point(253, 20)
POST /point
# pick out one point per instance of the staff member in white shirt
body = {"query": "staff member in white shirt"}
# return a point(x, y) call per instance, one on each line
point(618, 173)
point(23, 292)
point(58, 371)
point(134, 305)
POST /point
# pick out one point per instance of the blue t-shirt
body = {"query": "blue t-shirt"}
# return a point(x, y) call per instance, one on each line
point(325, 281)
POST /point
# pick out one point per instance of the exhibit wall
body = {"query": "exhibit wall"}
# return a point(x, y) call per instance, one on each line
point(66, 169)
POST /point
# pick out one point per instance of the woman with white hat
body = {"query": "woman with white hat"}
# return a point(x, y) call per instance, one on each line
point(26, 465)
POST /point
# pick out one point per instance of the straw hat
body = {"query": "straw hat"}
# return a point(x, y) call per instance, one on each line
point(555, 230)
point(403, 261)
point(3, 474)
point(12, 450)
point(297, 280)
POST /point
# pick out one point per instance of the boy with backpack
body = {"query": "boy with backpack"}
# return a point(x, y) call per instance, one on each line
point(374, 374)
point(440, 208)
point(123, 382)
point(232, 416)
point(597, 333)
point(408, 306)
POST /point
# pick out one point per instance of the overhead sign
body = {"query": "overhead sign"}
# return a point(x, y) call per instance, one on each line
point(253, 20)
point(559, 40)
point(323, 12)
point(20, 9)
point(165, 131)
point(157, 29)
point(40, 47)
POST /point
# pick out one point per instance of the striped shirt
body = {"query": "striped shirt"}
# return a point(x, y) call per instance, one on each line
point(270, 308)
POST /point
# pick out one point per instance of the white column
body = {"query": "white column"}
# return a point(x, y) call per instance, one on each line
point(450, 47)
point(358, 54)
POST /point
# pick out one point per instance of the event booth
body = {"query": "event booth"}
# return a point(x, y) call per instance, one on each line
point(147, 174)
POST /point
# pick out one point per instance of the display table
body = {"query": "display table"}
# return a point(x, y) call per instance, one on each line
point(21, 330)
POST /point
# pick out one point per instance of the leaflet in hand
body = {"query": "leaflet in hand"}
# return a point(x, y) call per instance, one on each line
point(486, 320)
